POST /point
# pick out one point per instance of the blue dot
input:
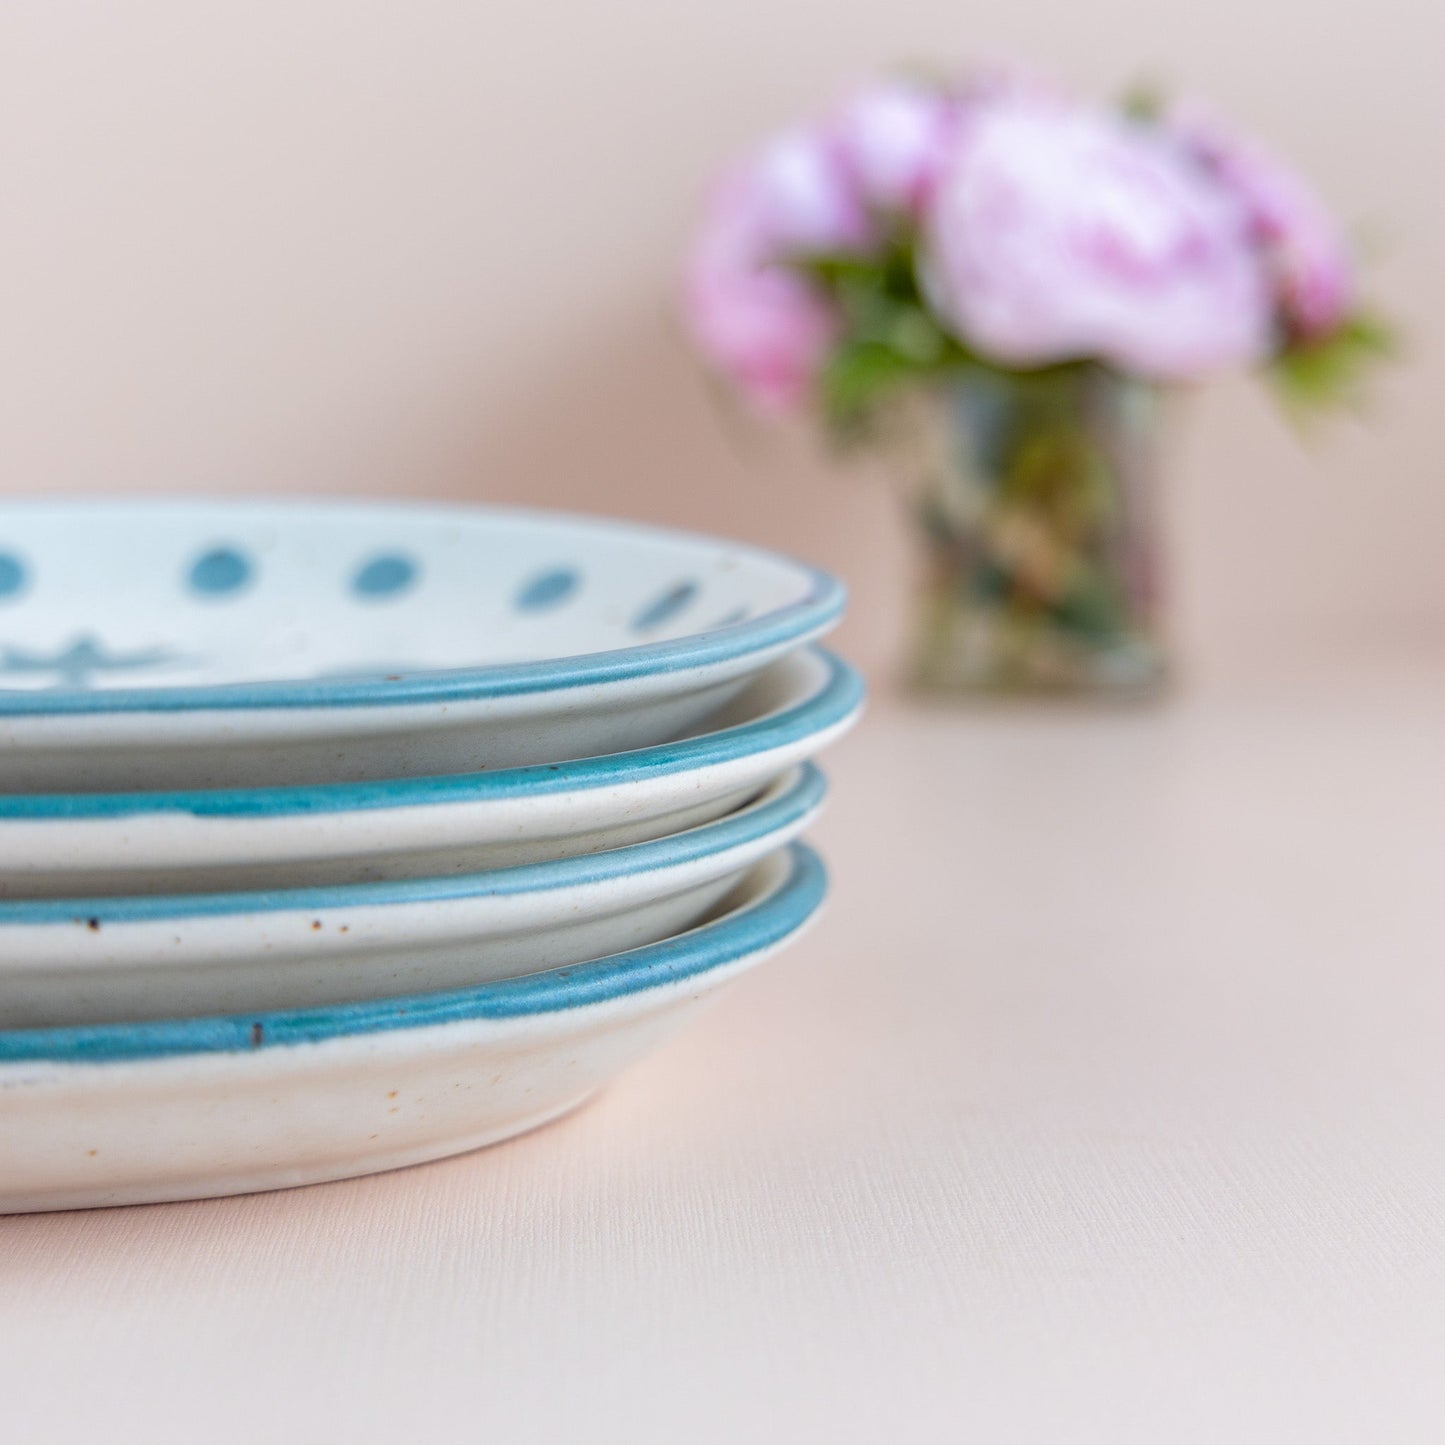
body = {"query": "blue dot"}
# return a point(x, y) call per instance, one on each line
point(664, 608)
point(220, 571)
point(547, 589)
point(12, 575)
point(384, 576)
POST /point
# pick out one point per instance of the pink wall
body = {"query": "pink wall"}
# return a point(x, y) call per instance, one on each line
point(427, 247)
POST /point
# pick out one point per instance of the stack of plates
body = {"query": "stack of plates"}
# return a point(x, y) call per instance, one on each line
point(338, 838)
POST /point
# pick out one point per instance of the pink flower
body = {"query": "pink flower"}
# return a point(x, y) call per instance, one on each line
point(895, 137)
point(796, 197)
point(763, 326)
point(756, 318)
point(1311, 265)
point(1060, 232)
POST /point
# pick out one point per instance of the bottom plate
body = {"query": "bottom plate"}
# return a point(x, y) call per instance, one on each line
point(196, 1108)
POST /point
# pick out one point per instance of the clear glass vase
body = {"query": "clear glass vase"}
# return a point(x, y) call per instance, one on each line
point(1041, 551)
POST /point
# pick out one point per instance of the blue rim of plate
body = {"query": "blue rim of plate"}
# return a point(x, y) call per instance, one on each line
point(797, 622)
point(753, 927)
point(841, 695)
point(801, 797)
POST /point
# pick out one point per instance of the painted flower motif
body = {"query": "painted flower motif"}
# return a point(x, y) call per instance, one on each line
point(1060, 232)
point(1308, 258)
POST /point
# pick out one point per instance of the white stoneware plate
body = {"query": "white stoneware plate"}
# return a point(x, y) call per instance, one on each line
point(174, 644)
point(257, 838)
point(102, 960)
point(203, 1107)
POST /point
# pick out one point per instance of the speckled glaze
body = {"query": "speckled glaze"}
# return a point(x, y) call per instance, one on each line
point(95, 960)
point(259, 838)
point(214, 1106)
point(168, 644)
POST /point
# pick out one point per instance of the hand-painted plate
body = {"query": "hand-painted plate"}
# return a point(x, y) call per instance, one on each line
point(342, 833)
point(201, 1107)
point(175, 644)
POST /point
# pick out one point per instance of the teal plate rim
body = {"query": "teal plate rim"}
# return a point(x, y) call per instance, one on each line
point(841, 695)
point(757, 820)
point(755, 926)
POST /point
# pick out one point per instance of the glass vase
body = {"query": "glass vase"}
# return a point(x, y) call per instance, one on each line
point(1041, 554)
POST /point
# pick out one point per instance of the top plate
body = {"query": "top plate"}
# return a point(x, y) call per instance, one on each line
point(225, 629)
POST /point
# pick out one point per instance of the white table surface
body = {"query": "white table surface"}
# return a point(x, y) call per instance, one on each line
point(1106, 1105)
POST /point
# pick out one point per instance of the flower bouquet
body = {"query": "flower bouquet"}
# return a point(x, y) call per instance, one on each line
point(997, 283)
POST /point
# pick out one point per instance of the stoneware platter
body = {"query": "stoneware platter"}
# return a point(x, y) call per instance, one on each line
point(179, 644)
point(202, 1107)
point(102, 960)
point(341, 833)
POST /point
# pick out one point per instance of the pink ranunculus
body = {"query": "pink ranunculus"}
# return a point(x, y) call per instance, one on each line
point(895, 137)
point(1061, 232)
point(1310, 261)
point(757, 321)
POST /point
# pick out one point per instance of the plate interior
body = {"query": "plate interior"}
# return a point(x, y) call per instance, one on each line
point(105, 596)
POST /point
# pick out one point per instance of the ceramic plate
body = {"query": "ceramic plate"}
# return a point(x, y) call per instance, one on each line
point(203, 1107)
point(215, 644)
point(76, 961)
point(116, 843)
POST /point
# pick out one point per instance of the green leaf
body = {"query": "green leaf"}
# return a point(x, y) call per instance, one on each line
point(855, 379)
point(1143, 101)
point(1324, 375)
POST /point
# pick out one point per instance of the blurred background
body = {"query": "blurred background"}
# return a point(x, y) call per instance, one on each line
point(431, 249)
